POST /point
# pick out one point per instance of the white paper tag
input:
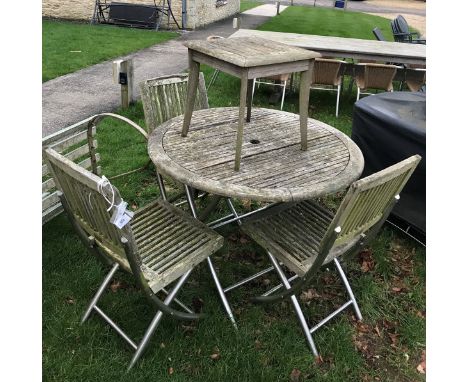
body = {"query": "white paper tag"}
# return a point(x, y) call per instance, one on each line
point(121, 215)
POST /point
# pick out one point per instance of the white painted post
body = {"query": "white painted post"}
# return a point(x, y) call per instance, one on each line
point(236, 23)
point(122, 72)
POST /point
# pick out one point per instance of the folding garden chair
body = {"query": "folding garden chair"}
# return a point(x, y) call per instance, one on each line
point(374, 76)
point(164, 98)
point(304, 236)
point(159, 244)
point(328, 73)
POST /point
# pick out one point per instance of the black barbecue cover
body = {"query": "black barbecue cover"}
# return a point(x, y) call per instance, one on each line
point(390, 127)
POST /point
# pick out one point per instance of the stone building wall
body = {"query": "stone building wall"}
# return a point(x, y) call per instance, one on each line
point(199, 12)
point(202, 12)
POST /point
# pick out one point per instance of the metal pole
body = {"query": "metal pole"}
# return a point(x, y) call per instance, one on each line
point(98, 294)
point(348, 289)
point(224, 300)
point(296, 305)
point(156, 320)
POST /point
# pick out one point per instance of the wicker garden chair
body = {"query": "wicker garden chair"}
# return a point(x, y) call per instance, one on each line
point(159, 245)
point(415, 78)
point(374, 76)
point(305, 236)
point(329, 73)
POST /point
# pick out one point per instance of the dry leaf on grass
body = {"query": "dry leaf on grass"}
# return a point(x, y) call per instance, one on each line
point(171, 371)
point(421, 368)
point(116, 285)
point(70, 300)
point(295, 375)
point(215, 356)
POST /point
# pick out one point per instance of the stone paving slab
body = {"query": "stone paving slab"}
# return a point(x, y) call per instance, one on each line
point(268, 10)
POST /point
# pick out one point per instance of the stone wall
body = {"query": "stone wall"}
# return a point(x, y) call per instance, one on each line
point(202, 12)
point(199, 12)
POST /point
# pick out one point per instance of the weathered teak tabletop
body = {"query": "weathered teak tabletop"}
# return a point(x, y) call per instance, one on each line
point(345, 47)
point(274, 168)
point(249, 58)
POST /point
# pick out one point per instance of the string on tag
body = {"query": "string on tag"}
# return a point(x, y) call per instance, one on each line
point(104, 182)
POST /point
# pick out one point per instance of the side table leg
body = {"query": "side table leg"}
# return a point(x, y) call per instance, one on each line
point(240, 128)
point(306, 79)
point(250, 85)
point(194, 72)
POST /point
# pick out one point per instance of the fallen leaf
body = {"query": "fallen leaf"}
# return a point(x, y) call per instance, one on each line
point(309, 295)
point(171, 371)
point(295, 375)
point(215, 356)
point(258, 344)
point(116, 284)
point(421, 368)
point(162, 345)
point(243, 240)
point(70, 300)
point(266, 282)
point(319, 360)
point(377, 330)
point(134, 206)
point(197, 304)
point(393, 338)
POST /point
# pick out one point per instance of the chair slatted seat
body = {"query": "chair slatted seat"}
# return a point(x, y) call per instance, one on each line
point(286, 234)
point(166, 238)
point(305, 235)
point(159, 245)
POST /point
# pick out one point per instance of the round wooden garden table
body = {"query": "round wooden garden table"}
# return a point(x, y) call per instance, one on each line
point(273, 166)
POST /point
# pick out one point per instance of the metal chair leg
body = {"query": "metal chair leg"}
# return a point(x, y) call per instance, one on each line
point(156, 320)
point(338, 100)
point(296, 305)
point(348, 289)
point(284, 92)
point(99, 293)
point(224, 300)
point(358, 93)
point(221, 293)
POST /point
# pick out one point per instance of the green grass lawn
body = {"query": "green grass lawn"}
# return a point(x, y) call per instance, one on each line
point(328, 22)
point(388, 279)
point(68, 47)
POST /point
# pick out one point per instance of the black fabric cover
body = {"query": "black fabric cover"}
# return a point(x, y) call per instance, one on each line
point(390, 127)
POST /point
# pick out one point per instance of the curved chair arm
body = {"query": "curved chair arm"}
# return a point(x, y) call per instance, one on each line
point(158, 303)
point(99, 117)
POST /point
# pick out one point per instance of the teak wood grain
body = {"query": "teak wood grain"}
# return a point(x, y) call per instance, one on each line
point(344, 47)
point(249, 58)
point(274, 169)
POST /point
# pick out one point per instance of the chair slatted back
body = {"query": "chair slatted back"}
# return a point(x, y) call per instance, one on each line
point(78, 146)
point(368, 199)
point(415, 78)
point(82, 193)
point(378, 34)
point(402, 25)
point(376, 76)
point(327, 72)
point(166, 97)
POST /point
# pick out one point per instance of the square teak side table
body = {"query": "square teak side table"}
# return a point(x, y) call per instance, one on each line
point(248, 58)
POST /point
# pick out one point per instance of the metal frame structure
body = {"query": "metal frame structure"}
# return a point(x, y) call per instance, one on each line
point(164, 8)
point(340, 231)
point(282, 84)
